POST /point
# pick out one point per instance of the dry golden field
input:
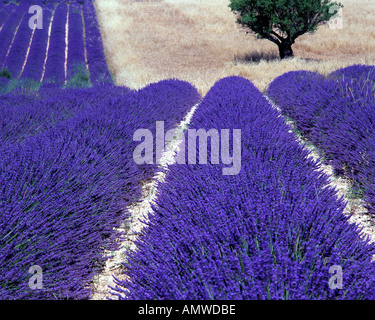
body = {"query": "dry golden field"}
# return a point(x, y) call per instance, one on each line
point(200, 42)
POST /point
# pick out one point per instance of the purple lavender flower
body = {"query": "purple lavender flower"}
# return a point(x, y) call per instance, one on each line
point(55, 65)
point(270, 232)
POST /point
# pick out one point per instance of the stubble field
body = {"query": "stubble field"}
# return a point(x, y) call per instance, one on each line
point(200, 42)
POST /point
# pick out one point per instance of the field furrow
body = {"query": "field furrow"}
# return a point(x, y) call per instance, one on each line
point(9, 31)
point(55, 64)
point(270, 232)
point(152, 150)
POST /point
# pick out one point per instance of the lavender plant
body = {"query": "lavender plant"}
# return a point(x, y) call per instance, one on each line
point(13, 53)
point(4, 82)
point(357, 71)
point(64, 189)
point(270, 232)
point(9, 29)
point(336, 114)
point(55, 65)
point(98, 69)
point(76, 63)
point(17, 53)
point(37, 54)
point(5, 11)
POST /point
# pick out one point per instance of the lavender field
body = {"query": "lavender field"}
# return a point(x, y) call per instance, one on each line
point(67, 50)
point(68, 178)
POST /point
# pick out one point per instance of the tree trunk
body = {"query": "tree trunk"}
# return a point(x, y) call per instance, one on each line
point(285, 50)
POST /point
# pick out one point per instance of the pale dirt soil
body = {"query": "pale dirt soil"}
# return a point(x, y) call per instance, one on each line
point(27, 52)
point(199, 41)
point(66, 46)
point(47, 49)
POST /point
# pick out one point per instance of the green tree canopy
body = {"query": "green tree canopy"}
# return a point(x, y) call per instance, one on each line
point(283, 21)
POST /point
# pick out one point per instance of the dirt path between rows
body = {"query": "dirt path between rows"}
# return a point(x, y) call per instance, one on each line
point(359, 214)
point(27, 53)
point(131, 228)
point(47, 47)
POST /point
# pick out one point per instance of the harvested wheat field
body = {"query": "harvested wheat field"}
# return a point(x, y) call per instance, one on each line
point(200, 42)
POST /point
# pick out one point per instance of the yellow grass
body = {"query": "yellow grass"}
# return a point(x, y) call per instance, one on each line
point(200, 42)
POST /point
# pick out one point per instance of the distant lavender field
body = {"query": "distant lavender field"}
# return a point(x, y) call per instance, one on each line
point(337, 115)
point(68, 173)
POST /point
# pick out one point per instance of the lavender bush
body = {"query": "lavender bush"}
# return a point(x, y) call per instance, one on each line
point(76, 63)
point(64, 189)
point(356, 71)
point(27, 115)
point(270, 232)
point(5, 10)
point(35, 62)
point(8, 30)
point(98, 69)
point(336, 114)
point(77, 73)
point(4, 82)
point(17, 54)
point(3, 14)
point(304, 115)
point(55, 65)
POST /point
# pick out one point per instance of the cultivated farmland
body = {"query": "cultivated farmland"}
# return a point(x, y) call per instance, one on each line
point(66, 49)
point(78, 97)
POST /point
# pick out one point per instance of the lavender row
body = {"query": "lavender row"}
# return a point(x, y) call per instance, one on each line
point(97, 64)
point(37, 54)
point(358, 72)
point(55, 65)
point(270, 232)
point(17, 54)
point(5, 10)
point(4, 82)
point(26, 115)
point(65, 189)
point(76, 51)
point(9, 29)
point(336, 114)
point(41, 2)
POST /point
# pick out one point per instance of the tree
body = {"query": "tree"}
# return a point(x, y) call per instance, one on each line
point(283, 21)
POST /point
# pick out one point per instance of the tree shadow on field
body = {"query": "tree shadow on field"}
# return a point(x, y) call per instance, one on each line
point(257, 57)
